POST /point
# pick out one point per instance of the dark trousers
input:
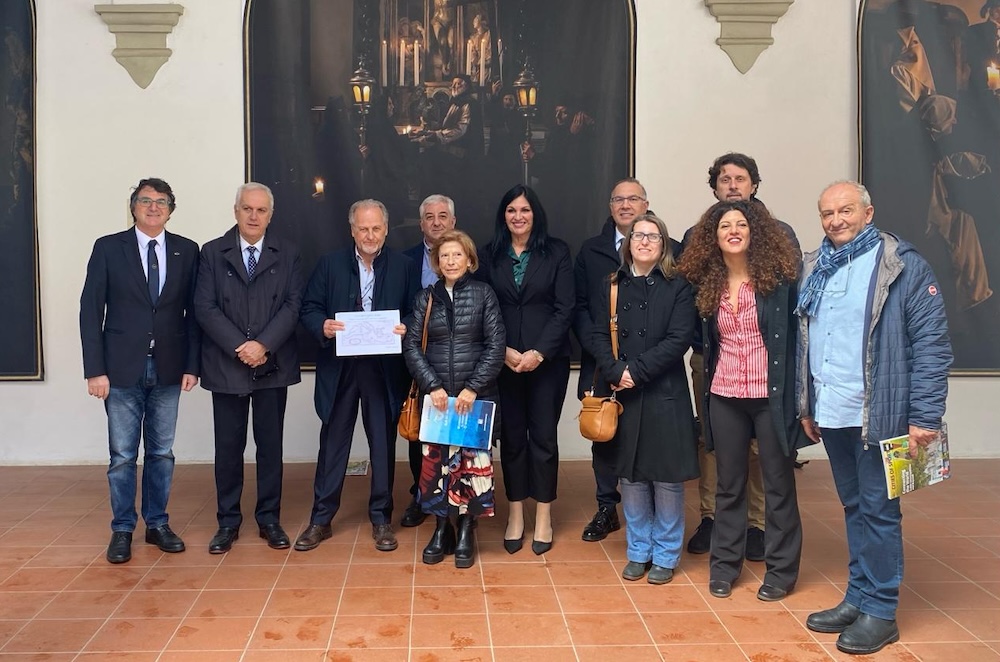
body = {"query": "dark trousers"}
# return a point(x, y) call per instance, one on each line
point(530, 405)
point(230, 413)
point(607, 484)
point(416, 458)
point(734, 421)
point(361, 380)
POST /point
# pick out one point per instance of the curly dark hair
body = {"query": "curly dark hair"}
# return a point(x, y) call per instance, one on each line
point(771, 259)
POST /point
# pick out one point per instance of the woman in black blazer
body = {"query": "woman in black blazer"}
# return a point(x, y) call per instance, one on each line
point(532, 275)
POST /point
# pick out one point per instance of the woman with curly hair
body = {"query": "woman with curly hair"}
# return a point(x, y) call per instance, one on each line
point(745, 271)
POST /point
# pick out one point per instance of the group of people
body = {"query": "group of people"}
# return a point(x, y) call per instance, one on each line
point(848, 347)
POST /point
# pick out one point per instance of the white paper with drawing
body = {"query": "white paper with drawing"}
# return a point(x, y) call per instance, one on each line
point(366, 334)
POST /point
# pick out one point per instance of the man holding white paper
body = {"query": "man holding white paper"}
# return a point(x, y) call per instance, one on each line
point(369, 277)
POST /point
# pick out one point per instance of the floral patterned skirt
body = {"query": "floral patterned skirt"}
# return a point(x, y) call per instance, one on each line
point(456, 481)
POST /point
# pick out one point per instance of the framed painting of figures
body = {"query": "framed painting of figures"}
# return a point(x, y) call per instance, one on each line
point(930, 152)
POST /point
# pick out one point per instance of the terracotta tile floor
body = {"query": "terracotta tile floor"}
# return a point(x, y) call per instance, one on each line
point(60, 600)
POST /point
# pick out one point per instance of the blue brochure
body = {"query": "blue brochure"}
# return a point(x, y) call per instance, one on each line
point(448, 427)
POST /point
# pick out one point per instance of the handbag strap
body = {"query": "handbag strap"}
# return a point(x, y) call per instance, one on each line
point(423, 341)
point(614, 332)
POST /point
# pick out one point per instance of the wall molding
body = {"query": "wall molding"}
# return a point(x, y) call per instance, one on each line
point(141, 36)
point(746, 27)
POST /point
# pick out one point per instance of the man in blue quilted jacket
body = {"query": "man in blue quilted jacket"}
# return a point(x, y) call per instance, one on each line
point(873, 364)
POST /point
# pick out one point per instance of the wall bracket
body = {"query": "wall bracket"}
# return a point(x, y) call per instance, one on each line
point(141, 36)
point(746, 27)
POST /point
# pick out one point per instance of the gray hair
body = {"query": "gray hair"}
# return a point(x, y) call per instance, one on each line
point(667, 263)
point(437, 199)
point(630, 180)
point(254, 186)
point(866, 198)
point(366, 204)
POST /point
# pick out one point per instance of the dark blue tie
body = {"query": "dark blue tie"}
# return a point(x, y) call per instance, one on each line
point(152, 272)
point(251, 261)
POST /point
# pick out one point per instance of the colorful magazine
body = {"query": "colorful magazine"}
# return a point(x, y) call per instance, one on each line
point(472, 430)
point(904, 474)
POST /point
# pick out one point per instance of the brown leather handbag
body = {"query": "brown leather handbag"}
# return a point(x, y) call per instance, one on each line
point(409, 416)
point(599, 415)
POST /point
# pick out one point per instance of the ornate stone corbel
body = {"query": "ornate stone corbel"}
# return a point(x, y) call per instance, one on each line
point(141, 36)
point(746, 27)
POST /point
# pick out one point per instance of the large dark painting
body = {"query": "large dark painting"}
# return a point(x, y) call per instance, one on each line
point(20, 332)
point(930, 151)
point(310, 141)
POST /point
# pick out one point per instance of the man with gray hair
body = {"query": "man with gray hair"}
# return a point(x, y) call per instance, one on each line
point(366, 276)
point(437, 216)
point(873, 364)
point(247, 301)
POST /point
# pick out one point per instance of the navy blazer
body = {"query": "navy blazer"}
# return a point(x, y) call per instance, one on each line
point(118, 319)
point(334, 287)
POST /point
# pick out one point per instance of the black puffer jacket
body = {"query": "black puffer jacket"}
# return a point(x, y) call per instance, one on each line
point(466, 340)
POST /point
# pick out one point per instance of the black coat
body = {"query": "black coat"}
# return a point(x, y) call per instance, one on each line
point(335, 287)
point(779, 328)
point(118, 320)
point(466, 341)
point(230, 310)
point(538, 315)
point(656, 436)
point(596, 260)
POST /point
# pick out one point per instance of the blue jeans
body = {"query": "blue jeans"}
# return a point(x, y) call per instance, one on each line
point(151, 410)
point(874, 523)
point(654, 521)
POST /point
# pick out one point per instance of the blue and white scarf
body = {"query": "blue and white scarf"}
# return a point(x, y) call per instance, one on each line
point(830, 259)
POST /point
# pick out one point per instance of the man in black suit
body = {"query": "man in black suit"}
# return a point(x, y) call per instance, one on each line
point(598, 258)
point(437, 216)
point(367, 276)
point(140, 348)
point(247, 302)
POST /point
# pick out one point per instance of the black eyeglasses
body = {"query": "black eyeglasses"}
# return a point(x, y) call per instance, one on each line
point(654, 237)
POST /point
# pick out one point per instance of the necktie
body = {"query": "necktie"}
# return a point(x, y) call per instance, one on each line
point(618, 244)
point(152, 272)
point(251, 261)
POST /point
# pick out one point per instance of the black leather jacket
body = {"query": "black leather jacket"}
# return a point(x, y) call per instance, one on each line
point(466, 339)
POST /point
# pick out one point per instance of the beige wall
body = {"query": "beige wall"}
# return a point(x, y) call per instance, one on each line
point(98, 133)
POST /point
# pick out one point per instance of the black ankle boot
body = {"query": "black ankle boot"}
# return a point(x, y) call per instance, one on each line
point(442, 542)
point(465, 549)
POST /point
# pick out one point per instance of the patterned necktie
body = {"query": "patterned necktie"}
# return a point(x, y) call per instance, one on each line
point(251, 261)
point(152, 272)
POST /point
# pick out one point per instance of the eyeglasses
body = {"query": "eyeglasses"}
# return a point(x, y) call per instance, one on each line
point(618, 200)
point(654, 237)
point(162, 203)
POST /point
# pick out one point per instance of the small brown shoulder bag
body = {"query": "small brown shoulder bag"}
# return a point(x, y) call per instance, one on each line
point(599, 415)
point(409, 416)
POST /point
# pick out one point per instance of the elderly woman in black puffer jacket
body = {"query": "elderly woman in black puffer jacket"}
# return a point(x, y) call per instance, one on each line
point(466, 343)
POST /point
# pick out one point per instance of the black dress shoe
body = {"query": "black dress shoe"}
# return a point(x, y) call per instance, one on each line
point(755, 544)
point(414, 515)
point(165, 539)
point(275, 536)
point(720, 589)
point(385, 539)
point(771, 593)
point(539, 547)
point(442, 542)
point(867, 635)
point(313, 536)
point(120, 547)
point(223, 540)
point(513, 546)
point(701, 541)
point(605, 521)
point(833, 620)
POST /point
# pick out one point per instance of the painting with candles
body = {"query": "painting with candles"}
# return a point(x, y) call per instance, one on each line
point(930, 151)
point(352, 99)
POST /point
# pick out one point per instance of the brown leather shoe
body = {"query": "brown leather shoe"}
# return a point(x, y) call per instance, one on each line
point(385, 539)
point(313, 536)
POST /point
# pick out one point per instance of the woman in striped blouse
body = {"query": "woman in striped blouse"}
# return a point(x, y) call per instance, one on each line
point(745, 271)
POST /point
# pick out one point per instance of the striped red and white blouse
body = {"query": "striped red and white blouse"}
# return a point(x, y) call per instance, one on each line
point(741, 371)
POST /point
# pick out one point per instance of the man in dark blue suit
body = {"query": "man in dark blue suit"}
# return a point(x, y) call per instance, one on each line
point(367, 276)
point(140, 348)
point(437, 216)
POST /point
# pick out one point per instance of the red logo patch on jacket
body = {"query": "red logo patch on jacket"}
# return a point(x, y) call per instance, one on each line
point(932, 290)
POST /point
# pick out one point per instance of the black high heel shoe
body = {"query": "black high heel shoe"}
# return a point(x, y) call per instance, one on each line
point(513, 546)
point(539, 547)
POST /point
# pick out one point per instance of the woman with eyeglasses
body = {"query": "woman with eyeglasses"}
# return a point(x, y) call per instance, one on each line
point(532, 275)
point(745, 270)
point(655, 448)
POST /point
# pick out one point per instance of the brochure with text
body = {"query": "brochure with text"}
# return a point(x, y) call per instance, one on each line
point(472, 430)
point(904, 474)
